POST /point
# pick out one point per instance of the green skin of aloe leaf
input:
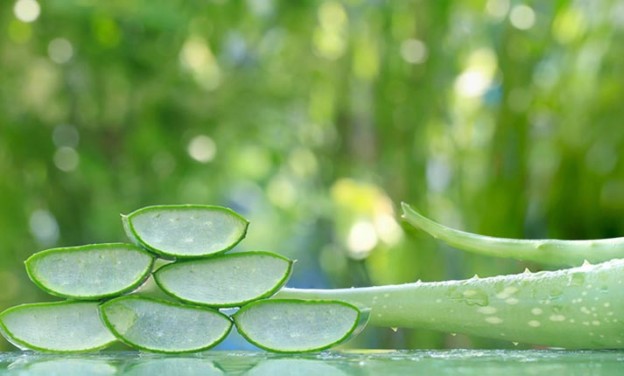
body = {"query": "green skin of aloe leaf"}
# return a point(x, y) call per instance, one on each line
point(90, 272)
point(164, 327)
point(577, 308)
point(230, 280)
point(180, 231)
point(58, 327)
point(543, 251)
point(294, 326)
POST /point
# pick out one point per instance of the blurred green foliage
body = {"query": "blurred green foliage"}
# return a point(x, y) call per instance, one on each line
point(314, 120)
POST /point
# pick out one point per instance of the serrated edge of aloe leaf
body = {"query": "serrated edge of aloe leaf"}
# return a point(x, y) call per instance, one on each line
point(121, 338)
point(162, 253)
point(144, 276)
point(267, 294)
point(348, 334)
point(8, 333)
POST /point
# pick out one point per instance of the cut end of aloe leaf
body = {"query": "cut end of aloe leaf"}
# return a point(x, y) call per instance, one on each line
point(225, 281)
point(165, 327)
point(61, 327)
point(90, 272)
point(291, 325)
point(186, 230)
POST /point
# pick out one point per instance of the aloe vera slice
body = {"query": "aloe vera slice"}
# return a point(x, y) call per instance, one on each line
point(162, 326)
point(90, 272)
point(292, 325)
point(225, 281)
point(186, 230)
point(62, 327)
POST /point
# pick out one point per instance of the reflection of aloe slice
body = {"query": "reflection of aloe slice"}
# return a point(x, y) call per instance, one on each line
point(186, 230)
point(161, 326)
point(302, 367)
point(69, 367)
point(63, 327)
point(225, 281)
point(174, 367)
point(90, 272)
point(289, 325)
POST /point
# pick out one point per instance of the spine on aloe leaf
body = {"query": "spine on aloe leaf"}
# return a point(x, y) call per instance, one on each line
point(580, 307)
point(544, 251)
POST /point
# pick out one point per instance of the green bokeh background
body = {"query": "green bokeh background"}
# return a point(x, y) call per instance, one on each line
point(314, 119)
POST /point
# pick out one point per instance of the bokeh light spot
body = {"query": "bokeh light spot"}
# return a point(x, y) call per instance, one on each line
point(66, 159)
point(202, 149)
point(43, 227)
point(362, 239)
point(522, 17)
point(65, 135)
point(414, 51)
point(27, 10)
point(60, 50)
point(497, 9)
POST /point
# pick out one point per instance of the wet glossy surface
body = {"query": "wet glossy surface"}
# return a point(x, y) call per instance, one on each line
point(364, 362)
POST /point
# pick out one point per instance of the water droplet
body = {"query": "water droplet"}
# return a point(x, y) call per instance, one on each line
point(470, 297)
point(555, 293)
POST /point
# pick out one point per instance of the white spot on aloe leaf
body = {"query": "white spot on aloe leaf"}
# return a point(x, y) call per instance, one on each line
point(493, 320)
point(487, 310)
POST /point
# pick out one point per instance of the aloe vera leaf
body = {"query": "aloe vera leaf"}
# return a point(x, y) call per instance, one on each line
point(186, 230)
point(225, 281)
point(174, 366)
point(161, 326)
point(90, 272)
point(572, 308)
point(293, 325)
point(60, 327)
point(544, 251)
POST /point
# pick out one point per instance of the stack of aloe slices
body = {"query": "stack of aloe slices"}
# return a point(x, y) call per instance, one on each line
point(200, 279)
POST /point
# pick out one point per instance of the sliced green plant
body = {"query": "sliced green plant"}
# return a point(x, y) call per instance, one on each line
point(573, 308)
point(162, 326)
point(294, 325)
point(186, 230)
point(225, 281)
point(90, 272)
point(61, 327)
point(545, 251)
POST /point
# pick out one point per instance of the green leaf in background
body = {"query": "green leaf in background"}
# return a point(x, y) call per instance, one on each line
point(225, 281)
point(61, 327)
point(291, 325)
point(186, 230)
point(162, 326)
point(90, 272)
point(544, 251)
